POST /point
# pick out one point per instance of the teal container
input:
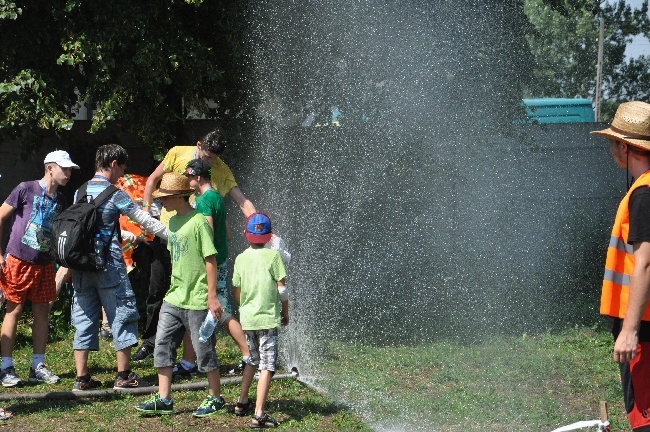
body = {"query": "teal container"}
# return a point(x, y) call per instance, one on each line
point(558, 110)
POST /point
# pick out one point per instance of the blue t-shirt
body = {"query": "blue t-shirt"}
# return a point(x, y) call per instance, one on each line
point(118, 203)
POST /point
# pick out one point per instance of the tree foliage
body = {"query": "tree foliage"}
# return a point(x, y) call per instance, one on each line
point(141, 66)
point(564, 43)
point(138, 64)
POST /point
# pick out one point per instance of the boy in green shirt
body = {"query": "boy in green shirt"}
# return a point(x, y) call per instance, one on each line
point(210, 203)
point(259, 284)
point(191, 296)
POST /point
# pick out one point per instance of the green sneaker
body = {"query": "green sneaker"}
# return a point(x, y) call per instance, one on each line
point(155, 405)
point(210, 406)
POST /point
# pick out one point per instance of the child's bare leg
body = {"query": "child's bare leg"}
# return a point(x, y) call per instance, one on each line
point(214, 382)
point(263, 385)
point(165, 382)
point(235, 331)
point(246, 380)
point(189, 355)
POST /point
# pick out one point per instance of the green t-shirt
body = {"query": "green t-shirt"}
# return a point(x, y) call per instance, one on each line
point(210, 203)
point(189, 243)
point(256, 273)
point(176, 160)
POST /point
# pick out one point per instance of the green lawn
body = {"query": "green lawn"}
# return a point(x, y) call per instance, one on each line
point(507, 383)
point(296, 406)
point(519, 383)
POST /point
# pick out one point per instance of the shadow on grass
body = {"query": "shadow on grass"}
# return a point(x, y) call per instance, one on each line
point(308, 411)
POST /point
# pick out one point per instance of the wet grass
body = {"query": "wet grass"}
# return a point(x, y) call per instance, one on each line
point(509, 383)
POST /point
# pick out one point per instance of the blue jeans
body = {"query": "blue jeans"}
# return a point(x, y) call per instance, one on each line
point(110, 289)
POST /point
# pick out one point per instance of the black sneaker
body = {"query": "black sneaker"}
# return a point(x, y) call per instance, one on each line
point(83, 385)
point(239, 369)
point(145, 352)
point(132, 381)
point(210, 406)
point(180, 372)
point(155, 405)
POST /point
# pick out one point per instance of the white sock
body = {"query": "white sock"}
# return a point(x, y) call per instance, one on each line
point(37, 360)
point(7, 362)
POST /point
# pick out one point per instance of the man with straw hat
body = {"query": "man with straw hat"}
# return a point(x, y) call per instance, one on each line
point(626, 284)
point(192, 295)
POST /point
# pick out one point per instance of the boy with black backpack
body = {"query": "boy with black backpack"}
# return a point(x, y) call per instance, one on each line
point(108, 287)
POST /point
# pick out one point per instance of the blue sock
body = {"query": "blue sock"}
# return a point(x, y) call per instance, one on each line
point(7, 362)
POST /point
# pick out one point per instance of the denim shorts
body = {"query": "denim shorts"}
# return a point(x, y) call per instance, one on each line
point(172, 324)
point(222, 291)
point(111, 289)
point(263, 347)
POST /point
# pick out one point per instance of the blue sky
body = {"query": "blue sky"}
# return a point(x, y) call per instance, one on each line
point(640, 45)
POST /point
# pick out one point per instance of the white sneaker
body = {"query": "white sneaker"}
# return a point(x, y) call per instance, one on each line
point(9, 378)
point(42, 375)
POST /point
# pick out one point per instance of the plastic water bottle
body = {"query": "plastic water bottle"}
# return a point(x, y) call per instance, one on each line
point(207, 328)
point(99, 251)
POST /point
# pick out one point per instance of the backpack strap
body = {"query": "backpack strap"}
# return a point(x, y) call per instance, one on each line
point(81, 192)
point(101, 199)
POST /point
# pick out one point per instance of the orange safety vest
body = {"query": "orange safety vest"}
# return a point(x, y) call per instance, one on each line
point(620, 260)
point(133, 185)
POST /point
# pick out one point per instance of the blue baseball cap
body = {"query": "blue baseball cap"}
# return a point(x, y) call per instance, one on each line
point(258, 228)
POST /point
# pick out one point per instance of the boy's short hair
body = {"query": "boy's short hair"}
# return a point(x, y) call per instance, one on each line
point(109, 153)
point(258, 228)
point(214, 142)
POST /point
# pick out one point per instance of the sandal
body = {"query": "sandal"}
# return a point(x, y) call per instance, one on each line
point(263, 421)
point(5, 415)
point(241, 409)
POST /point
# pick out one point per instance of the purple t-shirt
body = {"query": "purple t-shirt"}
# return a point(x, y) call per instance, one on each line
point(33, 216)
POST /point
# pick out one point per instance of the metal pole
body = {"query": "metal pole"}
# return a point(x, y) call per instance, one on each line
point(599, 68)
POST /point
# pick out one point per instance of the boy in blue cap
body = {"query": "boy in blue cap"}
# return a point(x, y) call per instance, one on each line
point(259, 287)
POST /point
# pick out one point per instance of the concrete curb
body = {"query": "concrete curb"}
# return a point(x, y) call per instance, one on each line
point(70, 395)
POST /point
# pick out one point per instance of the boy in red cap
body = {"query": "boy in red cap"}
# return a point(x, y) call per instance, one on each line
point(259, 287)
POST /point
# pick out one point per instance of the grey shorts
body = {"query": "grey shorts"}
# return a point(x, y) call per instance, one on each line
point(263, 347)
point(172, 324)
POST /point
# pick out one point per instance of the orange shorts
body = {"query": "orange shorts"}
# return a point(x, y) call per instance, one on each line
point(635, 378)
point(23, 280)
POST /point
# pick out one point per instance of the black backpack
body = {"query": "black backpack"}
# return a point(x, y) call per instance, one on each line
point(74, 231)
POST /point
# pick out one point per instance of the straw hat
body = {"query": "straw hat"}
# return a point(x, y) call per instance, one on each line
point(631, 124)
point(173, 184)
